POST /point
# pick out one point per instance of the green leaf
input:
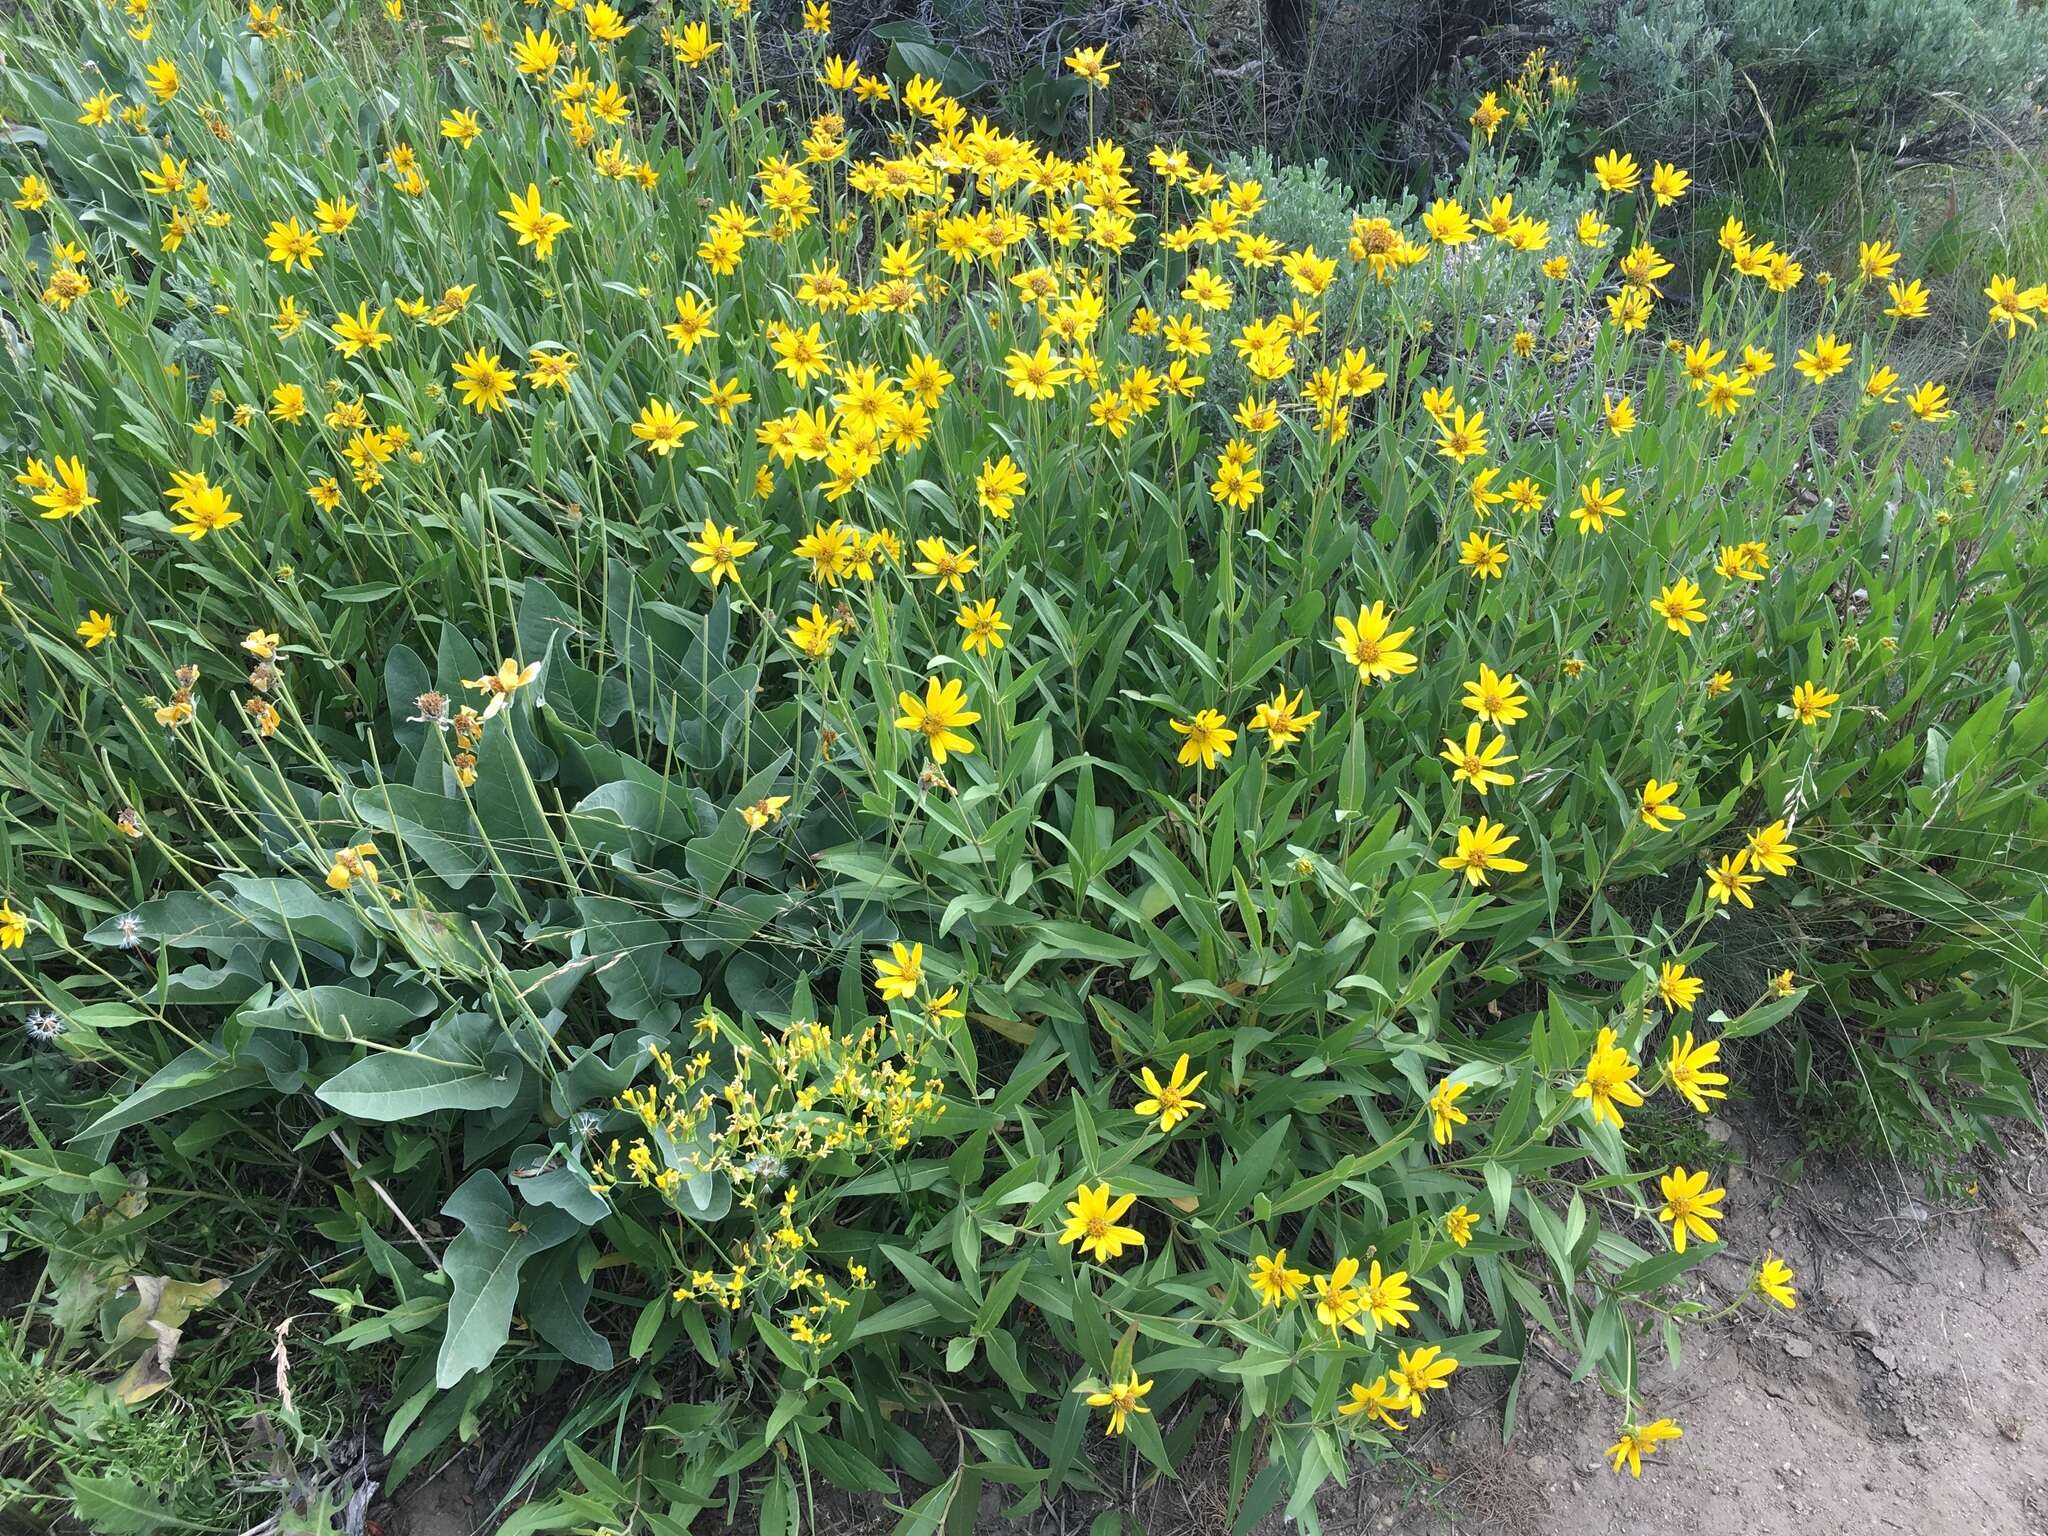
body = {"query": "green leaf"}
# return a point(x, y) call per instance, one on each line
point(117, 1505)
point(463, 1062)
point(483, 1267)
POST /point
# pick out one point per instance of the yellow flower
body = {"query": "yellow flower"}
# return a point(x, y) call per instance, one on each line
point(813, 633)
point(1596, 505)
point(97, 629)
point(1476, 765)
point(1930, 402)
point(984, 624)
point(13, 926)
point(1239, 482)
point(1035, 375)
point(661, 428)
point(1093, 1218)
point(1824, 359)
point(1121, 1398)
point(1088, 64)
point(534, 225)
point(1371, 644)
point(1909, 301)
point(1463, 437)
point(946, 564)
point(351, 865)
point(1680, 606)
point(1444, 1113)
point(1637, 1442)
point(537, 53)
point(1656, 809)
point(1172, 1101)
point(1609, 1081)
point(718, 551)
point(1496, 697)
point(1386, 1297)
point(1774, 1279)
point(162, 79)
point(1689, 1206)
point(1482, 848)
point(692, 324)
point(2013, 306)
point(1483, 555)
point(334, 217)
point(205, 507)
point(1338, 1301)
point(1668, 183)
point(899, 974)
point(463, 126)
point(290, 244)
point(694, 45)
point(1810, 702)
point(1205, 738)
point(1282, 720)
point(1459, 1222)
point(1447, 223)
point(1691, 1071)
point(998, 486)
point(1676, 988)
point(1617, 171)
point(1378, 1401)
point(360, 332)
point(1426, 1369)
point(503, 683)
point(1771, 851)
point(1273, 1282)
point(64, 489)
point(1730, 880)
point(1875, 259)
point(940, 714)
point(483, 381)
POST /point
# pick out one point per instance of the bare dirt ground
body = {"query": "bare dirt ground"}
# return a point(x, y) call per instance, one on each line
point(1904, 1394)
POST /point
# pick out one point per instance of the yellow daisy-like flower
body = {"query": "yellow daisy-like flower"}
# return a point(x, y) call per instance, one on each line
point(1122, 1398)
point(1482, 850)
point(1657, 810)
point(1444, 1113)
point(1372, 644)
point(1174, 1100)
point(942, 715)
point(1689, 1206)
point(1204, 739)
point(1476, 765)
point(900, 973)
point(1094, 1218)
point(1283, 719)
point(1273, 1282)
point(1774, 1279)
point(1691, 1073)
point(719, 551)
point(1609, 1081)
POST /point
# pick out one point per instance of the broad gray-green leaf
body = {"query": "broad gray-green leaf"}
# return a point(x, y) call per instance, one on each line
point(540, 1175)
point(556, 1295)
point(642, 981)
point(463, 1062)
point(192, 1077)
point(483, 1267)
point(335, 1013)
